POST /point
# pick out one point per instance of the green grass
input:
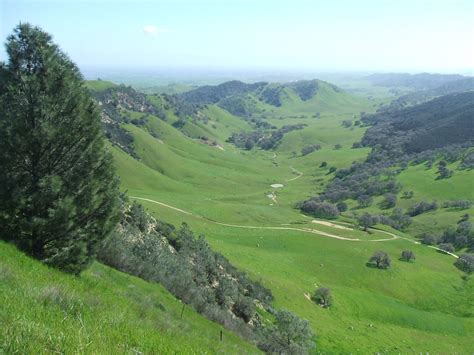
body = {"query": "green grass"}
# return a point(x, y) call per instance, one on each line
point(425, 306)
point(102, 311)
point(404, 309)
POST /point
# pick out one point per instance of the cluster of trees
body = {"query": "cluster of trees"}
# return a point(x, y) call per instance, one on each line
point(364, 201)
point(367, 220)
point(400, 219)
point(423, 127)
point(275, 138)
point(114, 103)
point(453, 238)
point(183, 109)
point(185, 265)
point(271, 94)
point(120, 137)
point(190, 270)
point(397, 219)
point(211, 94)
point(443, 171)
point(319, 209)
point(239, 105)
point(382, 260)
point(459, 204)
point(246, 140)
point(261, 138)
point(113, 99)
point(422, 207)
point(360, 180)
point(306, 89)
point(310, 148)
point(389, 201)
point(467, 161)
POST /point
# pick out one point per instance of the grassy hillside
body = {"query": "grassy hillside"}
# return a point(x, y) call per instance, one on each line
point(102, 311)
point(225, 193)
point(327, 100)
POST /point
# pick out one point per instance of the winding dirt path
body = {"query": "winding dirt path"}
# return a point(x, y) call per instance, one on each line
point(393, 236)
point(303, 230)
point(327, 223)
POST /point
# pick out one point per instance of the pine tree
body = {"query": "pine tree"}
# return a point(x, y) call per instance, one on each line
point(58, 189)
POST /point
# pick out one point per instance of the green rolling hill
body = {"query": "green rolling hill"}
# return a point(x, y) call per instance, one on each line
point(186, 170)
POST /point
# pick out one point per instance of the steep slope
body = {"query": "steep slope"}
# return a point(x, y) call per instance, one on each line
point(103, 311)
point(271, 99)
point(418, 154)
point(212, 94)
point(435, 124)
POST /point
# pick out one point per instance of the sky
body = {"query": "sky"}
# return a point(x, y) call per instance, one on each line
point(332, 35)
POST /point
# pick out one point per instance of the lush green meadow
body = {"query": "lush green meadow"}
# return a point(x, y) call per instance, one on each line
point(423, 306)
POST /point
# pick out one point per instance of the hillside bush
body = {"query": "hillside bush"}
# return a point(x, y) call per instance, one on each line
point(323, 297)
point(320, 209)
point(190, 270)
point(408, 255)
point(447, 247)
point(310, 148)
point(422, 207)
point(465, 263)
point(288, 335)
point(460, 204)
point(367, 220)
point(381, 260)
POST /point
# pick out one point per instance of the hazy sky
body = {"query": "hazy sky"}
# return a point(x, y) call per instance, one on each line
point(396, 35)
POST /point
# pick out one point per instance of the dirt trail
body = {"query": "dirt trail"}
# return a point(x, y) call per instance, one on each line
point(329, 224)
point(163, 204)
point(303, 230)
point(446, 252)
point(300, 174)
